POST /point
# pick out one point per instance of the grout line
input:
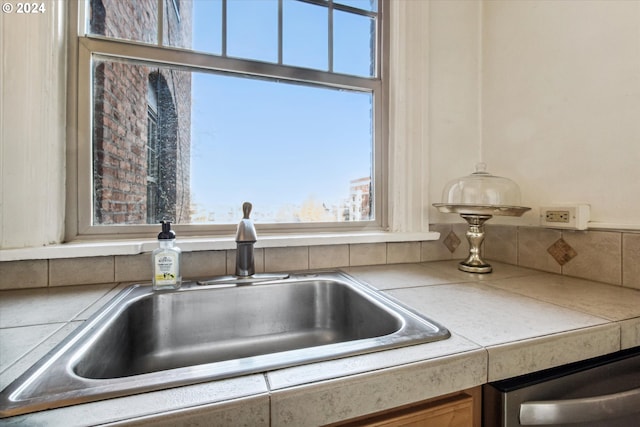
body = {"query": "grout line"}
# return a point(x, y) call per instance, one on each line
point(48, 273)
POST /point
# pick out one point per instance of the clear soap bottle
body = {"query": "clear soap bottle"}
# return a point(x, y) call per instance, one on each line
point(166, 260)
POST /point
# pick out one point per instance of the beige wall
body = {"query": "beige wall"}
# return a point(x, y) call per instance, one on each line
point(32, 122)
point(454, 95)
point(561, 103)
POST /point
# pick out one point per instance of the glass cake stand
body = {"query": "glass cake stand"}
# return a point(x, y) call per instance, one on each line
point(476, 216)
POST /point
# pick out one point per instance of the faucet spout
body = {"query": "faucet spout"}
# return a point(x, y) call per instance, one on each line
point(246, 237)
point(245, 264)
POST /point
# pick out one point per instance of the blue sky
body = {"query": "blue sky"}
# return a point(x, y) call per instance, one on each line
point(276, 143)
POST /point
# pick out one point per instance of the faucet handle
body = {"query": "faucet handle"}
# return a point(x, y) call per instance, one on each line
point(246, 210)
point(246, 232)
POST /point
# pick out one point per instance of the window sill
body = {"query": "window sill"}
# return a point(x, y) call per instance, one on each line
point(135, 247)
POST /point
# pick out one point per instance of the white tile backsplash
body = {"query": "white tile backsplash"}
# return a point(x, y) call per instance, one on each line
point(24, 274)
point(599, 255)
point(81, 271)
point(328, 256)
point(605, 256)
point(403, 252)
point(631, 260)
point(368, 254)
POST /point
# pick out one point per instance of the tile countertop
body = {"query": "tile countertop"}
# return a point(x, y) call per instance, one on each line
point(511, 322)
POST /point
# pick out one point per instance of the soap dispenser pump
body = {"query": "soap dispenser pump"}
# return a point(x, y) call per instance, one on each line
point(166, 260)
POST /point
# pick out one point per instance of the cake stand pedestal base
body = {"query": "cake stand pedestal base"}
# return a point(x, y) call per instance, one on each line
point(475, 235)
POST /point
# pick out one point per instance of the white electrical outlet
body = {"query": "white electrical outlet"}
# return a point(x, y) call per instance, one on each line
point(575, 217)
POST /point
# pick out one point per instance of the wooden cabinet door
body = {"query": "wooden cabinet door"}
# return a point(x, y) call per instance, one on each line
point(462, 409)
point(454, 413)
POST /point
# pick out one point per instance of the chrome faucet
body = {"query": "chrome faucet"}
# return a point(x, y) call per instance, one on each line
point(246, 237)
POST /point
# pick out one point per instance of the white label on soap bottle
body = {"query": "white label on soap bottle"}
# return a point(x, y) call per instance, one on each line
point(165, 269)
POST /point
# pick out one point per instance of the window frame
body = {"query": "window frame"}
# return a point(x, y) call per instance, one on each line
point(79, 222)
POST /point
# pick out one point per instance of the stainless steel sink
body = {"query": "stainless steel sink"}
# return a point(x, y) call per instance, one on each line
point(144, 340)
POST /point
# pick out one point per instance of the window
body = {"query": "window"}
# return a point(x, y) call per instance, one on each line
point(153, 154)
point(165, 163)
point(201, 105)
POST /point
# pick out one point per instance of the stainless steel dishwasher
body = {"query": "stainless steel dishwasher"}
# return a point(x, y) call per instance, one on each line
point(604, 391)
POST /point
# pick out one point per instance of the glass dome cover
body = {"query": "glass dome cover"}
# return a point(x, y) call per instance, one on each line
point(477, 198)
point(481, 189)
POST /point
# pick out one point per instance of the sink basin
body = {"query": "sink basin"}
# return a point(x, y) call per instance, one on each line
point(144, 340)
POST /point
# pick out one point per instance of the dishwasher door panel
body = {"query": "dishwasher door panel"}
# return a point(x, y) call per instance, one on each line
point(600, 392)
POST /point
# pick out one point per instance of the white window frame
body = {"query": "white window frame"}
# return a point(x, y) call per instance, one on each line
point(400, 162)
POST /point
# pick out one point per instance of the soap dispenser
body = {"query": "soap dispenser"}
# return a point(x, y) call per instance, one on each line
point(166, 260)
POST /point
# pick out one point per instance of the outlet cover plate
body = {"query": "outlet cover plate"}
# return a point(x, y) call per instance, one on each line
point(573, 217)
